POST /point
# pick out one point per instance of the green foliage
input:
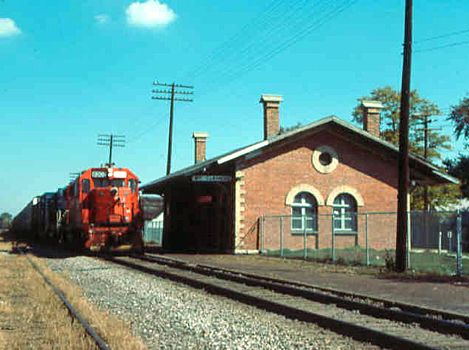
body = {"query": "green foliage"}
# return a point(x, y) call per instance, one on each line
point(284, 130)
point(419, 107)
point(437, 142)
point(460, 168)
point(460, 117)
point(5, 220)
point(440, 196)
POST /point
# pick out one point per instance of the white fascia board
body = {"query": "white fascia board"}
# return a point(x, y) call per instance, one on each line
point(242, 152)
point(446, 177)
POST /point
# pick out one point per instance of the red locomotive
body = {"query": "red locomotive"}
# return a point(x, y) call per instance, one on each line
point(99, 210)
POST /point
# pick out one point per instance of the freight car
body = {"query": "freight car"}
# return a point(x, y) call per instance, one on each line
point(99, 211)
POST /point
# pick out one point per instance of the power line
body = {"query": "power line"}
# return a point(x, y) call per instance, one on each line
point(259, 48)
point(285, 41)
point(459, 43)
point(441, 36)
point(145, 131)
point(272, 30)
point(288, 42)
point(257, 21)
point(296, 18)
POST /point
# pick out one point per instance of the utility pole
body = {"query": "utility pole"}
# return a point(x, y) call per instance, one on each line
point(170, 95)
point(424, 118)
point(426, 198)
point(72, 176)
point(111, 141)
point(404, 176)
point(425, 155)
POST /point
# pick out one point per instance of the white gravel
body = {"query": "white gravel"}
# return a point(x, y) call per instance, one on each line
point(167, 315)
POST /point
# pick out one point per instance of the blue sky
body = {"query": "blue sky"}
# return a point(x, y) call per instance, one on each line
point(70, 70)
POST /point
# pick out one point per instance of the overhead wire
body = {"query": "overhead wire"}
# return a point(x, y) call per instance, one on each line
point(256, 22)
point(441, 36)
point(270, 40)
point(286, 43)
point(262, 21)
point(294, 18)
point(256, 38)
point(434, 48)
point(145, 131)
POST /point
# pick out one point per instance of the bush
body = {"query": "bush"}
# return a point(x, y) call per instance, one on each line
point(389, 260)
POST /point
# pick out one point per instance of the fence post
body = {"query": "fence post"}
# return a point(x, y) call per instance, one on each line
point(367, 249)
point(409, 239)
point(262, 233)
point(440, 235)
point(449, 235)
point(281, 236)
point(459, 245)
point(305, 252)
point(333, 239)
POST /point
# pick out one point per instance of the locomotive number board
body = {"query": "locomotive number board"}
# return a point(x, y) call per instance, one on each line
point(98, 174)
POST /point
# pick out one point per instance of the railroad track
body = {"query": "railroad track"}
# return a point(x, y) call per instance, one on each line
point(367, 320)
point(389, 304)
point(100, 343)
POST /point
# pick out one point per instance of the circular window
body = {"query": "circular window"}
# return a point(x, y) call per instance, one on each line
point(325, 159)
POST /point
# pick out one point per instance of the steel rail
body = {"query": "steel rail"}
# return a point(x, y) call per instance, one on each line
point(348, 329)
point(405, 314)
point(100, 343)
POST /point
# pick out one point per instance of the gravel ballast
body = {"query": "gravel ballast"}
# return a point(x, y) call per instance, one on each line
point(167, 315)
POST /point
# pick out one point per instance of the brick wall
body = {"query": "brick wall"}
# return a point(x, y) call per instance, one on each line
point(268, 179)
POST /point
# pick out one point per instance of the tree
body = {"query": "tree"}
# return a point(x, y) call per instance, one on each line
point(460, 117)
point(5, 220)
point(285, 129)
point(440, 196)
point(459, 168)
point(419, 108)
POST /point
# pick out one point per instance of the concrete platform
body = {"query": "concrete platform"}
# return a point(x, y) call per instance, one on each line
point(445, 293)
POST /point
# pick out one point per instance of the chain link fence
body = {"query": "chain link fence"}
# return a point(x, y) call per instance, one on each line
point(153, 233)
point(438, 241)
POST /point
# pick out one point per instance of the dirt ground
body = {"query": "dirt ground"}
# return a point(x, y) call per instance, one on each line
point(445, 293)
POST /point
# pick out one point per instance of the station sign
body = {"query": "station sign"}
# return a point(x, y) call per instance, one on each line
point(211, 178)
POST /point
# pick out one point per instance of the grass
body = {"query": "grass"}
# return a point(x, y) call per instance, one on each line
point(425, 261)
point(32, 317)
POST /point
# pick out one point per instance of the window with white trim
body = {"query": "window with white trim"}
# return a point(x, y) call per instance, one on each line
point(345, 213)
point(304, 213)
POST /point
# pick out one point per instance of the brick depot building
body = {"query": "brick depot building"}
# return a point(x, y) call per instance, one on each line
point(217, 205)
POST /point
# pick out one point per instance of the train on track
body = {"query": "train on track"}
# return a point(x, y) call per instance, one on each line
point(100, 210)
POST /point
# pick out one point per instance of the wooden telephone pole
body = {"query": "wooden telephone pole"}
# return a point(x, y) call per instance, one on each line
point(111, 141)
point(170, 96)
point(404, 176)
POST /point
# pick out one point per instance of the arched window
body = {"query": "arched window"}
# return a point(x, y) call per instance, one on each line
point(304, 213)
point(345, 213)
